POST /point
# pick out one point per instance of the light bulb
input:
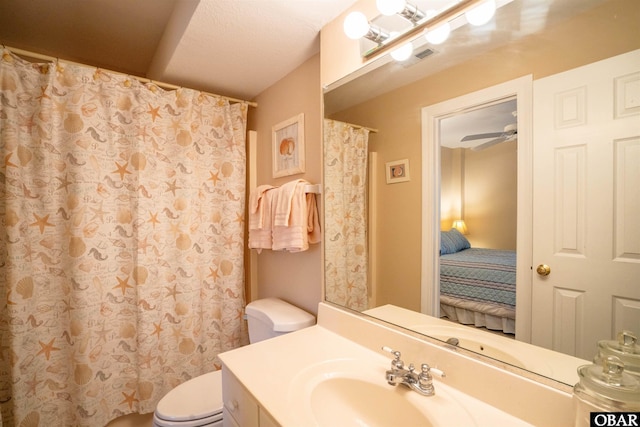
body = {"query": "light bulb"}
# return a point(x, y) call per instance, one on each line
point(390, 7)
point(439, 34)
point(356, 25)
point(482, 13)
point(403, 52)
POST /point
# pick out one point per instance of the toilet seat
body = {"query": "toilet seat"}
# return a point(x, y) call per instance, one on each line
point(197, 402)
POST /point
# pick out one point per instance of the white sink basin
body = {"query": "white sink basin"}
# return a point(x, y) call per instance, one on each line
point(348, 392)
point(357, 402)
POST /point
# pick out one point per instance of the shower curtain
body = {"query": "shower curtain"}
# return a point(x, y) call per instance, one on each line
point(122, 241)
point(345, 188)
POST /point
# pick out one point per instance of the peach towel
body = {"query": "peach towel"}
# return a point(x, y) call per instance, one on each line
point(256, 205)
point(283, 218)
point(313, 220)
point(261, 218)
point(290, 218)
point(284, 201)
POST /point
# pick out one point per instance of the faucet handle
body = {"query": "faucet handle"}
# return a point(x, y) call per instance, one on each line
point(390, 350)
point(426, 370)
point(396, 363)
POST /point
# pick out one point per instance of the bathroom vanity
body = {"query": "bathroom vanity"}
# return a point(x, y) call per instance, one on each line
point(240, 407)
point(333, 373)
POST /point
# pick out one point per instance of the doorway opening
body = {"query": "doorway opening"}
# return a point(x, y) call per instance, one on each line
point(434, 119)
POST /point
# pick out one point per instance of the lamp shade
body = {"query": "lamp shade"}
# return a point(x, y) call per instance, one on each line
point(459, 225)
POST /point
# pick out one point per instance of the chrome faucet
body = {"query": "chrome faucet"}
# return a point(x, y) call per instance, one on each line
point(399, 374)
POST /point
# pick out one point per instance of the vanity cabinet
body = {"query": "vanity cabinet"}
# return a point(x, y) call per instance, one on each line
point(240, 408)
point(266, 420)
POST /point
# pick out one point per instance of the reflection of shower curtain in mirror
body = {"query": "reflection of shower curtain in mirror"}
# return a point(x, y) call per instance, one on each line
point(345, 189)
point(122, 241)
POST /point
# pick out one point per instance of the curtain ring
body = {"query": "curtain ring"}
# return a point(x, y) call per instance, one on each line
point(58, 64)
point(6, 54)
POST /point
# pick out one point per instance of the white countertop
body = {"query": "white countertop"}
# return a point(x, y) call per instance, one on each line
point(268, 368)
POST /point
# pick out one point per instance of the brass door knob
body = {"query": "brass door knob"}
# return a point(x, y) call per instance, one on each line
point(543, 270)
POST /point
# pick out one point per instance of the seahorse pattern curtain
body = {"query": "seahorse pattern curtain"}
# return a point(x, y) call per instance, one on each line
point(122, 241)
point(345, 188)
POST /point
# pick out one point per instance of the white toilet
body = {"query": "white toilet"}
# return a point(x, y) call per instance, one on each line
point(198, 402)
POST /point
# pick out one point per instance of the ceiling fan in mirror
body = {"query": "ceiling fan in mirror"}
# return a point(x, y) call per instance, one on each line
point(509, 133)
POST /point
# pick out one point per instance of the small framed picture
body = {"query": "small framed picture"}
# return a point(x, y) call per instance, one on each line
point(288, 147)
point(397, 171)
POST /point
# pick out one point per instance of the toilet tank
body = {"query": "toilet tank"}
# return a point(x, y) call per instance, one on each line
point(271, 317)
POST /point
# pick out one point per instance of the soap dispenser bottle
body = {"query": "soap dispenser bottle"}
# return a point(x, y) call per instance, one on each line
point(604, 388)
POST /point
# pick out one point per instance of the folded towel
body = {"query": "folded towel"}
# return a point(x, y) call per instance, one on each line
point(284, 201)
point(290, 222)
point(313, 220)
point(256, 215)
point(260, 233)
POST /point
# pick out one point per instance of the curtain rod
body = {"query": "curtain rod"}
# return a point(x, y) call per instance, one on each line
point(163, 85)
point(372, 130)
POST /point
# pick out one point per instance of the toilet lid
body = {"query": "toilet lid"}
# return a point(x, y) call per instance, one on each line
point(197, 398)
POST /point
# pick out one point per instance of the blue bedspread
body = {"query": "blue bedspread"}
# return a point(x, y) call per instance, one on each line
point(481, 275)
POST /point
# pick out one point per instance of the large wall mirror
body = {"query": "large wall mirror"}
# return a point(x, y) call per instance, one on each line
point(490, 138)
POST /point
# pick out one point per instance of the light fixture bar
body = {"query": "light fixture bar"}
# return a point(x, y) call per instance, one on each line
point(412, 13)
point(376, 34)
point(453, 12)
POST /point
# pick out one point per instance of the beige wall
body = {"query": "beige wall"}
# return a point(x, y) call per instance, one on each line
point(490, 196)
point(605, 31)
point(450, 186)
point(481, 188)
point(293, 277)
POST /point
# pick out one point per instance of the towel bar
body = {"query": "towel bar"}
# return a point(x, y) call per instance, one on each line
point(313, 188)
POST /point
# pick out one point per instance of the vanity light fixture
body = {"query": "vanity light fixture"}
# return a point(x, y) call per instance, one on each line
point(436, 27)
point(407, 10)
point(357, 26)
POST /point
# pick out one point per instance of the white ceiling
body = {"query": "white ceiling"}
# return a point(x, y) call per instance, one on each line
point(486, 119)
point(239, 48)
point(236, 48)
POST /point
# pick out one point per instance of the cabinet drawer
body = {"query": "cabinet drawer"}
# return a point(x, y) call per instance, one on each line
point(227, 419)
point(266, 420)
point(238, 402)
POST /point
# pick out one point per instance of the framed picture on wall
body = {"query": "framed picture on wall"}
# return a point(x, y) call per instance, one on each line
point(397, 171)
point(288, 147)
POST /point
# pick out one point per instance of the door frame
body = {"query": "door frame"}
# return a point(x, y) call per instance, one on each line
point(522, 89)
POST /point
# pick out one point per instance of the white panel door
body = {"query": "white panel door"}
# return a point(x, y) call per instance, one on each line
point(586, 215)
